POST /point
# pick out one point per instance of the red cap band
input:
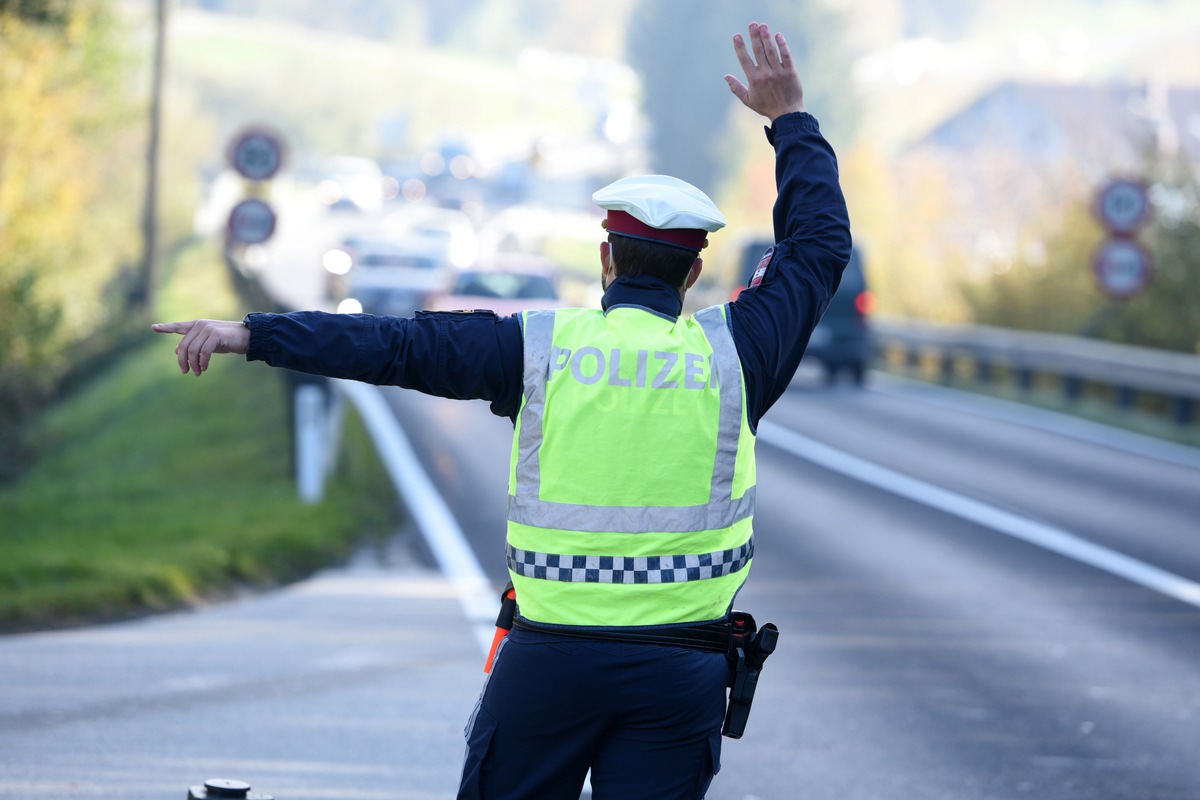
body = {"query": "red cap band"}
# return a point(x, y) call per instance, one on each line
point(625, 224)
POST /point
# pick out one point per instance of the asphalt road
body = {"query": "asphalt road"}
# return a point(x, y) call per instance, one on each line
point(352, 685)
point(950, 576)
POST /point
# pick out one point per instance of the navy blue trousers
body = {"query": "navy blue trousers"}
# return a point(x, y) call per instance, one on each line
point(645, 719)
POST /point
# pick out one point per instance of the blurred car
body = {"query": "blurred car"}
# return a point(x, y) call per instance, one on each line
point(505, 287)
point(841, 341)
point(351, 183)
point(444, 234)
point(384, 273)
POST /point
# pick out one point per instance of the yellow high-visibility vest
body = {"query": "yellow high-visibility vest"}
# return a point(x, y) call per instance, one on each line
point(631, 485)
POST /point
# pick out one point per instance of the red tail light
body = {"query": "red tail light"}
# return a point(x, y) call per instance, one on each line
point(864, 302)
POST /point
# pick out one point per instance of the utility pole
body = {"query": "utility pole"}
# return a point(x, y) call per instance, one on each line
point(145, 294)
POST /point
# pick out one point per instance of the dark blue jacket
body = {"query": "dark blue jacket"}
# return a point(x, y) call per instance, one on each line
point(477, 355)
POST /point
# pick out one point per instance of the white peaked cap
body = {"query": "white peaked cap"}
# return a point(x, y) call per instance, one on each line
point(661, 202)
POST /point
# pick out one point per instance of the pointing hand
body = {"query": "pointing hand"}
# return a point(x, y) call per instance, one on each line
point(202, 338)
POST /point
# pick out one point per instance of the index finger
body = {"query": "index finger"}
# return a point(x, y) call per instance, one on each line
point(173, 327)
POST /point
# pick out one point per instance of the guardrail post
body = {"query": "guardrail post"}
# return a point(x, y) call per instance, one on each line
point(310, 445)
point(983, 370)
point(1025, 379)
point(946, 367)
point(1182, 410)
point(316, 425)
point(1072, 388)
point(912, 358)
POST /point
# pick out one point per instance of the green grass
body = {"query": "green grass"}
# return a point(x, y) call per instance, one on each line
point(158, 490)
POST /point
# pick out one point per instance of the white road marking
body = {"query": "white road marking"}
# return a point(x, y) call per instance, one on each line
point(1046, 536)
point(479, 601)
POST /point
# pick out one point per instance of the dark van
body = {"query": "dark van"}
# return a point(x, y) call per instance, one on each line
point(842, 339)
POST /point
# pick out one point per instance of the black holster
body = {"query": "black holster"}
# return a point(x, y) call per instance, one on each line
point(750, 648)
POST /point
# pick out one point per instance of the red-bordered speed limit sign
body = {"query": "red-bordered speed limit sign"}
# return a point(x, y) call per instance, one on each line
point(251, 222)
point(256, 154)
point(1123, 267)
point(1122, 206)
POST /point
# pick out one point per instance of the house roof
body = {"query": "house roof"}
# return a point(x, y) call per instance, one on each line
point(1106, 128)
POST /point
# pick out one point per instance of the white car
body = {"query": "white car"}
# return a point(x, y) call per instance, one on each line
point(443, 234)
point(382, 273)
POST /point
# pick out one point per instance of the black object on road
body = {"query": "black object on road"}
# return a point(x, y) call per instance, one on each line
point(224, 787)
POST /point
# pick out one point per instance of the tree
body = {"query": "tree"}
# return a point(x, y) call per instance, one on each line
point(1167, 314)
point(1050, 285)
point(1047, 285)
point(682, 53)
point(59, 234)
point(39, 12)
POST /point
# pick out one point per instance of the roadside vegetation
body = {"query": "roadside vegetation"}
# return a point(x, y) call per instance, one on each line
point(158, 490)
point(68, 206)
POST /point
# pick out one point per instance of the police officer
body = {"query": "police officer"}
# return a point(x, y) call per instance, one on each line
point(632, 478)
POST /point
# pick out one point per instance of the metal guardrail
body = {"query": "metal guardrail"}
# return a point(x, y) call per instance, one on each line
point(989, 354)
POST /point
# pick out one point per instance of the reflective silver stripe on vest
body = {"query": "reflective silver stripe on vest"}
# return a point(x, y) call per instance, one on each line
point(721, 511)
point(630, 519)
point(539, 335)
point(729, 380)
point(629, 570)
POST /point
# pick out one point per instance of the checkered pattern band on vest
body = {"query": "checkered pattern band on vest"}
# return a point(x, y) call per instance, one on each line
point(628, 570)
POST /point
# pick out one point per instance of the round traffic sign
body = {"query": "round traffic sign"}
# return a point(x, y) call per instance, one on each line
point(256, 154)
point(1123, 267)
point(251, 222)
point(1122, 205)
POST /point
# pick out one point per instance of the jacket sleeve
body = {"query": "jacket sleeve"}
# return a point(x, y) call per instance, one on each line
point(472, 355)
point(774, 317)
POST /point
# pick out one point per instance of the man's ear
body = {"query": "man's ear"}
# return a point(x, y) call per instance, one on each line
point(694, 272)
point(607, 270)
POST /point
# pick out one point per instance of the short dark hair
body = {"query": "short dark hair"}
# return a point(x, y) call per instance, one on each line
point(642, 257)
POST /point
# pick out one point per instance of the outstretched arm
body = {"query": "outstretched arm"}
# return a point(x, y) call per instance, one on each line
point(772, 86)
point(204, 337)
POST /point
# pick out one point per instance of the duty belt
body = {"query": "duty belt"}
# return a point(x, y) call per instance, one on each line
point(715, 637)
point(745, 645)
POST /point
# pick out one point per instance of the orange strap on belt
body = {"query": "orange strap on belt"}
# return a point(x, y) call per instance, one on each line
point(504, 622)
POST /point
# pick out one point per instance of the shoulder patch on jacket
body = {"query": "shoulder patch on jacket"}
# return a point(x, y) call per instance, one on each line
point(761, 269)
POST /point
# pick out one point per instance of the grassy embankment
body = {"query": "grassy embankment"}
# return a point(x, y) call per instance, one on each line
point(159, 490)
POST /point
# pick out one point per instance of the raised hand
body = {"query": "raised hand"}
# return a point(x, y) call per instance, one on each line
point(772, 86)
